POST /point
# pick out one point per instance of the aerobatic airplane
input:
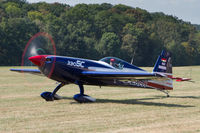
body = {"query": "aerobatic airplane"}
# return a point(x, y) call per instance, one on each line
point(109, 71)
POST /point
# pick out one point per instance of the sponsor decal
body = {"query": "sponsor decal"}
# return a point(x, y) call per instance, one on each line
point(162, 67)
point(77, 63)
point(163, 63)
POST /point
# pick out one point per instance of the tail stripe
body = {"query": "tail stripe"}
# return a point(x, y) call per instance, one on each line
point(159, 86)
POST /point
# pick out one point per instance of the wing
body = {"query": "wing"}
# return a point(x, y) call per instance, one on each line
point(31, 71)
point(120, 75)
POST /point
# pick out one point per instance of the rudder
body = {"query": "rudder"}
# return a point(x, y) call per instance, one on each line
point(163, 63)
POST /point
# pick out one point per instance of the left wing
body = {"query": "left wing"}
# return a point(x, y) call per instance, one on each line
point(31, 71)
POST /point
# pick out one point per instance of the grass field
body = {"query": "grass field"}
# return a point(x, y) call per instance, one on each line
point(117, 110)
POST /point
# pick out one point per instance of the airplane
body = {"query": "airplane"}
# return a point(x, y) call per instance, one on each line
point(109, 71)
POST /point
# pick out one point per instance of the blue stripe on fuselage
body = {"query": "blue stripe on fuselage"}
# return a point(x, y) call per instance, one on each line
point(69, 69)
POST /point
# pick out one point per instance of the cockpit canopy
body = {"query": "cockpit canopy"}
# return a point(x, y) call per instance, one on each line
point(113, 61)
point(118, 63)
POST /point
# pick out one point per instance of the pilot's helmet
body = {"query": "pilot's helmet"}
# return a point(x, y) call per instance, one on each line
point(112, 60)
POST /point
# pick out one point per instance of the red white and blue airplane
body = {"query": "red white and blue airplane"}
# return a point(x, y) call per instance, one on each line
point(109, 71)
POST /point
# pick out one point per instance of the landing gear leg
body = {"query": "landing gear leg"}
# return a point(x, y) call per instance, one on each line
point(82, 98)
point(166, 92)
point(51, 96)
point(81, 89)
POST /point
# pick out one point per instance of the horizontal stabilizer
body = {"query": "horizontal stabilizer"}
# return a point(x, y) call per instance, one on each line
point(181, 79)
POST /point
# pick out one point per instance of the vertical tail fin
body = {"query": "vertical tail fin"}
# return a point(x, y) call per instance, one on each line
point(163, 63)
point(163, 67)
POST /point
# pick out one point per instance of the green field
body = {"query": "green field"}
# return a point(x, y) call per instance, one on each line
point(116, 110)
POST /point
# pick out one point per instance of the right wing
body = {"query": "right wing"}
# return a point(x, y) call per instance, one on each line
point(121, 75)
point(31, 71)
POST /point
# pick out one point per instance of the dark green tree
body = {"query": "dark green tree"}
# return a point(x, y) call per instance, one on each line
point(15, 38)
point(109, 44)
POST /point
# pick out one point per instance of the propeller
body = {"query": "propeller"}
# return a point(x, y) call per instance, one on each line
point(37, 49)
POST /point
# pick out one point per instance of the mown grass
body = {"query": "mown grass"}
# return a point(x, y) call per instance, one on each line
point(116, 110)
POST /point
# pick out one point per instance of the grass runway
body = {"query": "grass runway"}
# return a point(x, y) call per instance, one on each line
point(117, 110)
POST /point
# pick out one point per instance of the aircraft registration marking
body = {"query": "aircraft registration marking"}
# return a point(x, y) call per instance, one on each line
point(135, 83)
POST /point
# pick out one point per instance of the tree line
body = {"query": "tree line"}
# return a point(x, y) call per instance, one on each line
point(97, 30)
point(197, 27)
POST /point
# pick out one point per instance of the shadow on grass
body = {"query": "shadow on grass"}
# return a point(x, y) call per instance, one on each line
point(142, 101)
point(69, 98)
point(190, 97)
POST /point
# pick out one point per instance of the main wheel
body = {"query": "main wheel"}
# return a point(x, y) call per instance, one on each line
point(49, 97)
point(83, 98)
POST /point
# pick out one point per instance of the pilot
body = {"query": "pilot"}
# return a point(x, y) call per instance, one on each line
point(112, 61)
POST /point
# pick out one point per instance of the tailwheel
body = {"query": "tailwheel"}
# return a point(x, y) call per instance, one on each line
point(82, 98)
point(165, 91)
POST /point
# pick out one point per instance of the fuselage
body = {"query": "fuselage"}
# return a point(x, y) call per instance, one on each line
point(70, 70)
